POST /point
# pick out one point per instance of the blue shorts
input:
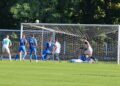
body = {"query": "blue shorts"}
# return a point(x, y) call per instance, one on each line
point(83, 58)
point(33, 50)
point(47, 52)
point(22, 48)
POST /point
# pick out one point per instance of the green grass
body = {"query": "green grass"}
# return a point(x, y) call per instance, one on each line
point(18, 73)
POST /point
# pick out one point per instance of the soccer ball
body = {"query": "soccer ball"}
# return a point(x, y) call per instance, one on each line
point(37, 21)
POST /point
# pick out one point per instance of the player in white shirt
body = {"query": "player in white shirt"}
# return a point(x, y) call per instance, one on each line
point(89, 50)
point(57, 49)
point(87, 55)
point(6, 43)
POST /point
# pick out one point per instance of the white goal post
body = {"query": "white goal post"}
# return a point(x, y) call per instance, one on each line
point(105, 39)
point(118, 51)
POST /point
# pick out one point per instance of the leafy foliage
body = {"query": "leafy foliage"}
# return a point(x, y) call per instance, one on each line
point(59, 11)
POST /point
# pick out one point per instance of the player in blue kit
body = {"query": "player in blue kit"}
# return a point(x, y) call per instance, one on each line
point(22, 48)
point(47, 53)
point(33, 47)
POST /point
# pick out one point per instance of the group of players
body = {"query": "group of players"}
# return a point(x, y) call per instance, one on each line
point(52, 48)
point(51, 51)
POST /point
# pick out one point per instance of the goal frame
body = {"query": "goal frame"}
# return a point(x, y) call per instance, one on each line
point(118, 46)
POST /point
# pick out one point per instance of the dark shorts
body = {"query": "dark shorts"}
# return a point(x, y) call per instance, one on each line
point(56, 54)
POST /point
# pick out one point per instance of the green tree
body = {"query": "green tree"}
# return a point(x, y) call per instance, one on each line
point(13, 12)
point(6, 19)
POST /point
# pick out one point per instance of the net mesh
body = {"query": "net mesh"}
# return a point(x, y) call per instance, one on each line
point(103, 38)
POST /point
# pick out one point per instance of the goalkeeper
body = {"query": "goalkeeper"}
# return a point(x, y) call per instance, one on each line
point(87, 55)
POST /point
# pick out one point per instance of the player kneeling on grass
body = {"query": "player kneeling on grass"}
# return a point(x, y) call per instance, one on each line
point(6, 44)
point(87, 56)
point(88, 52)
point(33, 47)
point(47, 53)
point(22, 48)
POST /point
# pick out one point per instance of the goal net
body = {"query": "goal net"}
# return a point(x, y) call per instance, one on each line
point(104, 39)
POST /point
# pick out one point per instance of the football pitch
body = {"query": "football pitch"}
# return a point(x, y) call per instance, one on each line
point(50, 73)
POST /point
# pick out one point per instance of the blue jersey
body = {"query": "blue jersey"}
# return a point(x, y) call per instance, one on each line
point(23, 42)
point(50, 46)
point(32, 42)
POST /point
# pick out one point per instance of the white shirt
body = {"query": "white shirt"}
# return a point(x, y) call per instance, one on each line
point(6, 42)
point(90, 48)
point(58, 47)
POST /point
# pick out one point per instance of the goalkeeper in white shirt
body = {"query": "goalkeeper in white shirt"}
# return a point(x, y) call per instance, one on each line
point(6, 44)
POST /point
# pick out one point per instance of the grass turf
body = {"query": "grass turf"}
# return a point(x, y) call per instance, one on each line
point(18, 73)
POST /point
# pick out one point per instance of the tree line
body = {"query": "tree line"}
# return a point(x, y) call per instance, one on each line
point(13, 12)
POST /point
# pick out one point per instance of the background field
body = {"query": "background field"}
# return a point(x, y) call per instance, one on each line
point(58, 74)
